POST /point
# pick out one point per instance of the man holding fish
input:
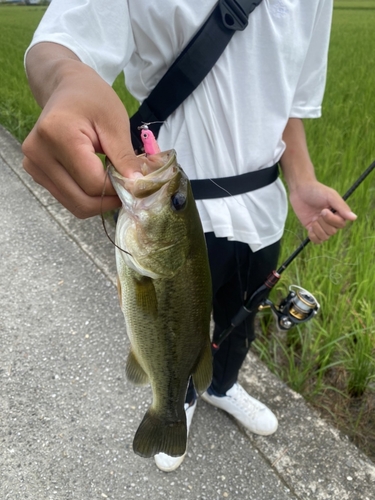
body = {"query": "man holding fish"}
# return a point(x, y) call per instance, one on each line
point(246, 116)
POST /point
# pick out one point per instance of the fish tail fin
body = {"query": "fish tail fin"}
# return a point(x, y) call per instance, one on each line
point(158, 435)
point(202, 374)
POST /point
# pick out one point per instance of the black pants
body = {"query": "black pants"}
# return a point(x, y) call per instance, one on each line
point(236, 273)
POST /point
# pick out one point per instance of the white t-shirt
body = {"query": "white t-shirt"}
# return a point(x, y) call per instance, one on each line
point(233, 122)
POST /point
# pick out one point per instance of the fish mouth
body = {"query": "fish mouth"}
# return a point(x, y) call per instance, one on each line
point(155, 173)
point(141, 192)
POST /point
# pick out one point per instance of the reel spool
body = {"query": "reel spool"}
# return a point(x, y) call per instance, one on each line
point(298, 307)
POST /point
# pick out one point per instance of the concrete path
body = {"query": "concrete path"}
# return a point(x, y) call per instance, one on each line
point(68, 415)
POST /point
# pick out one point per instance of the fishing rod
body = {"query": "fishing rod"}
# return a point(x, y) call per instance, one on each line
point(300, 305)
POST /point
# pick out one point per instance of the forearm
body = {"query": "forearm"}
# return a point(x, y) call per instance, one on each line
point(296, 163)
point(313, 202)
point(49, 64)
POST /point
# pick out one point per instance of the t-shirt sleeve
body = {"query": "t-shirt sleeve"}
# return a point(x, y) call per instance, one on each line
point(98, 32)
point(311, 85)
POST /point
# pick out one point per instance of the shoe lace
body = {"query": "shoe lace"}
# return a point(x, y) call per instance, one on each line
point(244, 402)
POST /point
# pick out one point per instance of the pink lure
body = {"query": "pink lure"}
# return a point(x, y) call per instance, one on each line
point(149, 142)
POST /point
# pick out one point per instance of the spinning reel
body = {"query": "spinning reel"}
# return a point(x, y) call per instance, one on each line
point(298, 307)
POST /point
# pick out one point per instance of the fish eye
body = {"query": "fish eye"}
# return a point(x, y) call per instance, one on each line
point(178, 201)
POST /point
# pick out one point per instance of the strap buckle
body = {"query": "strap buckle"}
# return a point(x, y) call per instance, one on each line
point(234, 14)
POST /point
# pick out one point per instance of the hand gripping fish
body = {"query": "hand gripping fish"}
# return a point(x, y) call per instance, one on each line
point(165, 294)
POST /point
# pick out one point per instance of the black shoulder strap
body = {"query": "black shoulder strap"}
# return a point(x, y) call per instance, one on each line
point(192, 65)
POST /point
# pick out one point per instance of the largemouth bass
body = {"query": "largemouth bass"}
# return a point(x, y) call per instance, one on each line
point(165, 294)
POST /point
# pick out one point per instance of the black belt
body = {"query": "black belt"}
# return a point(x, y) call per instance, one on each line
point(222, 187)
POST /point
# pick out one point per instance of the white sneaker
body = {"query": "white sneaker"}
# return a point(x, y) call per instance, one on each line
point(250, 412)
point(165, 462)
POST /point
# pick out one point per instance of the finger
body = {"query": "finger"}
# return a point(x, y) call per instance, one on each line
point(129, 166)
point(329, 218)
point(119, 150)
point(340, 207)
point(318, 234)
point(326, 226)
point(74, 149)
point(92, 206)
point(70, 195)
point(139, 166)
point(89, 173)
point(92, 179)
point(313, 237)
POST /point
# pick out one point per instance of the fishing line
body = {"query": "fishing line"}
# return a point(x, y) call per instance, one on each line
point(334, 274)
point(102, 216)
point(145, 125)
point(223, 189)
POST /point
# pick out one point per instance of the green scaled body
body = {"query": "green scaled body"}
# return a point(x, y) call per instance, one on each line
point(165, 295)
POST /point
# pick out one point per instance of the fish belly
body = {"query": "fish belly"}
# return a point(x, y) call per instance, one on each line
point(167, 321)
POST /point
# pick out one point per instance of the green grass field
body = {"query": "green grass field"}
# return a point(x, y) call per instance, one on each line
point(18, 110)
point(331, 359)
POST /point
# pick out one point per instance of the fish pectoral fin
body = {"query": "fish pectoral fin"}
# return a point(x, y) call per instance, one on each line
point(202, 374)
point(158, 435)
point(146, 296)
point(134, 372)
point(119, 291)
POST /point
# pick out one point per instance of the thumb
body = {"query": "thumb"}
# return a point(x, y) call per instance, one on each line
point(127, 164)
point(119, 150)
point(340, 207)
